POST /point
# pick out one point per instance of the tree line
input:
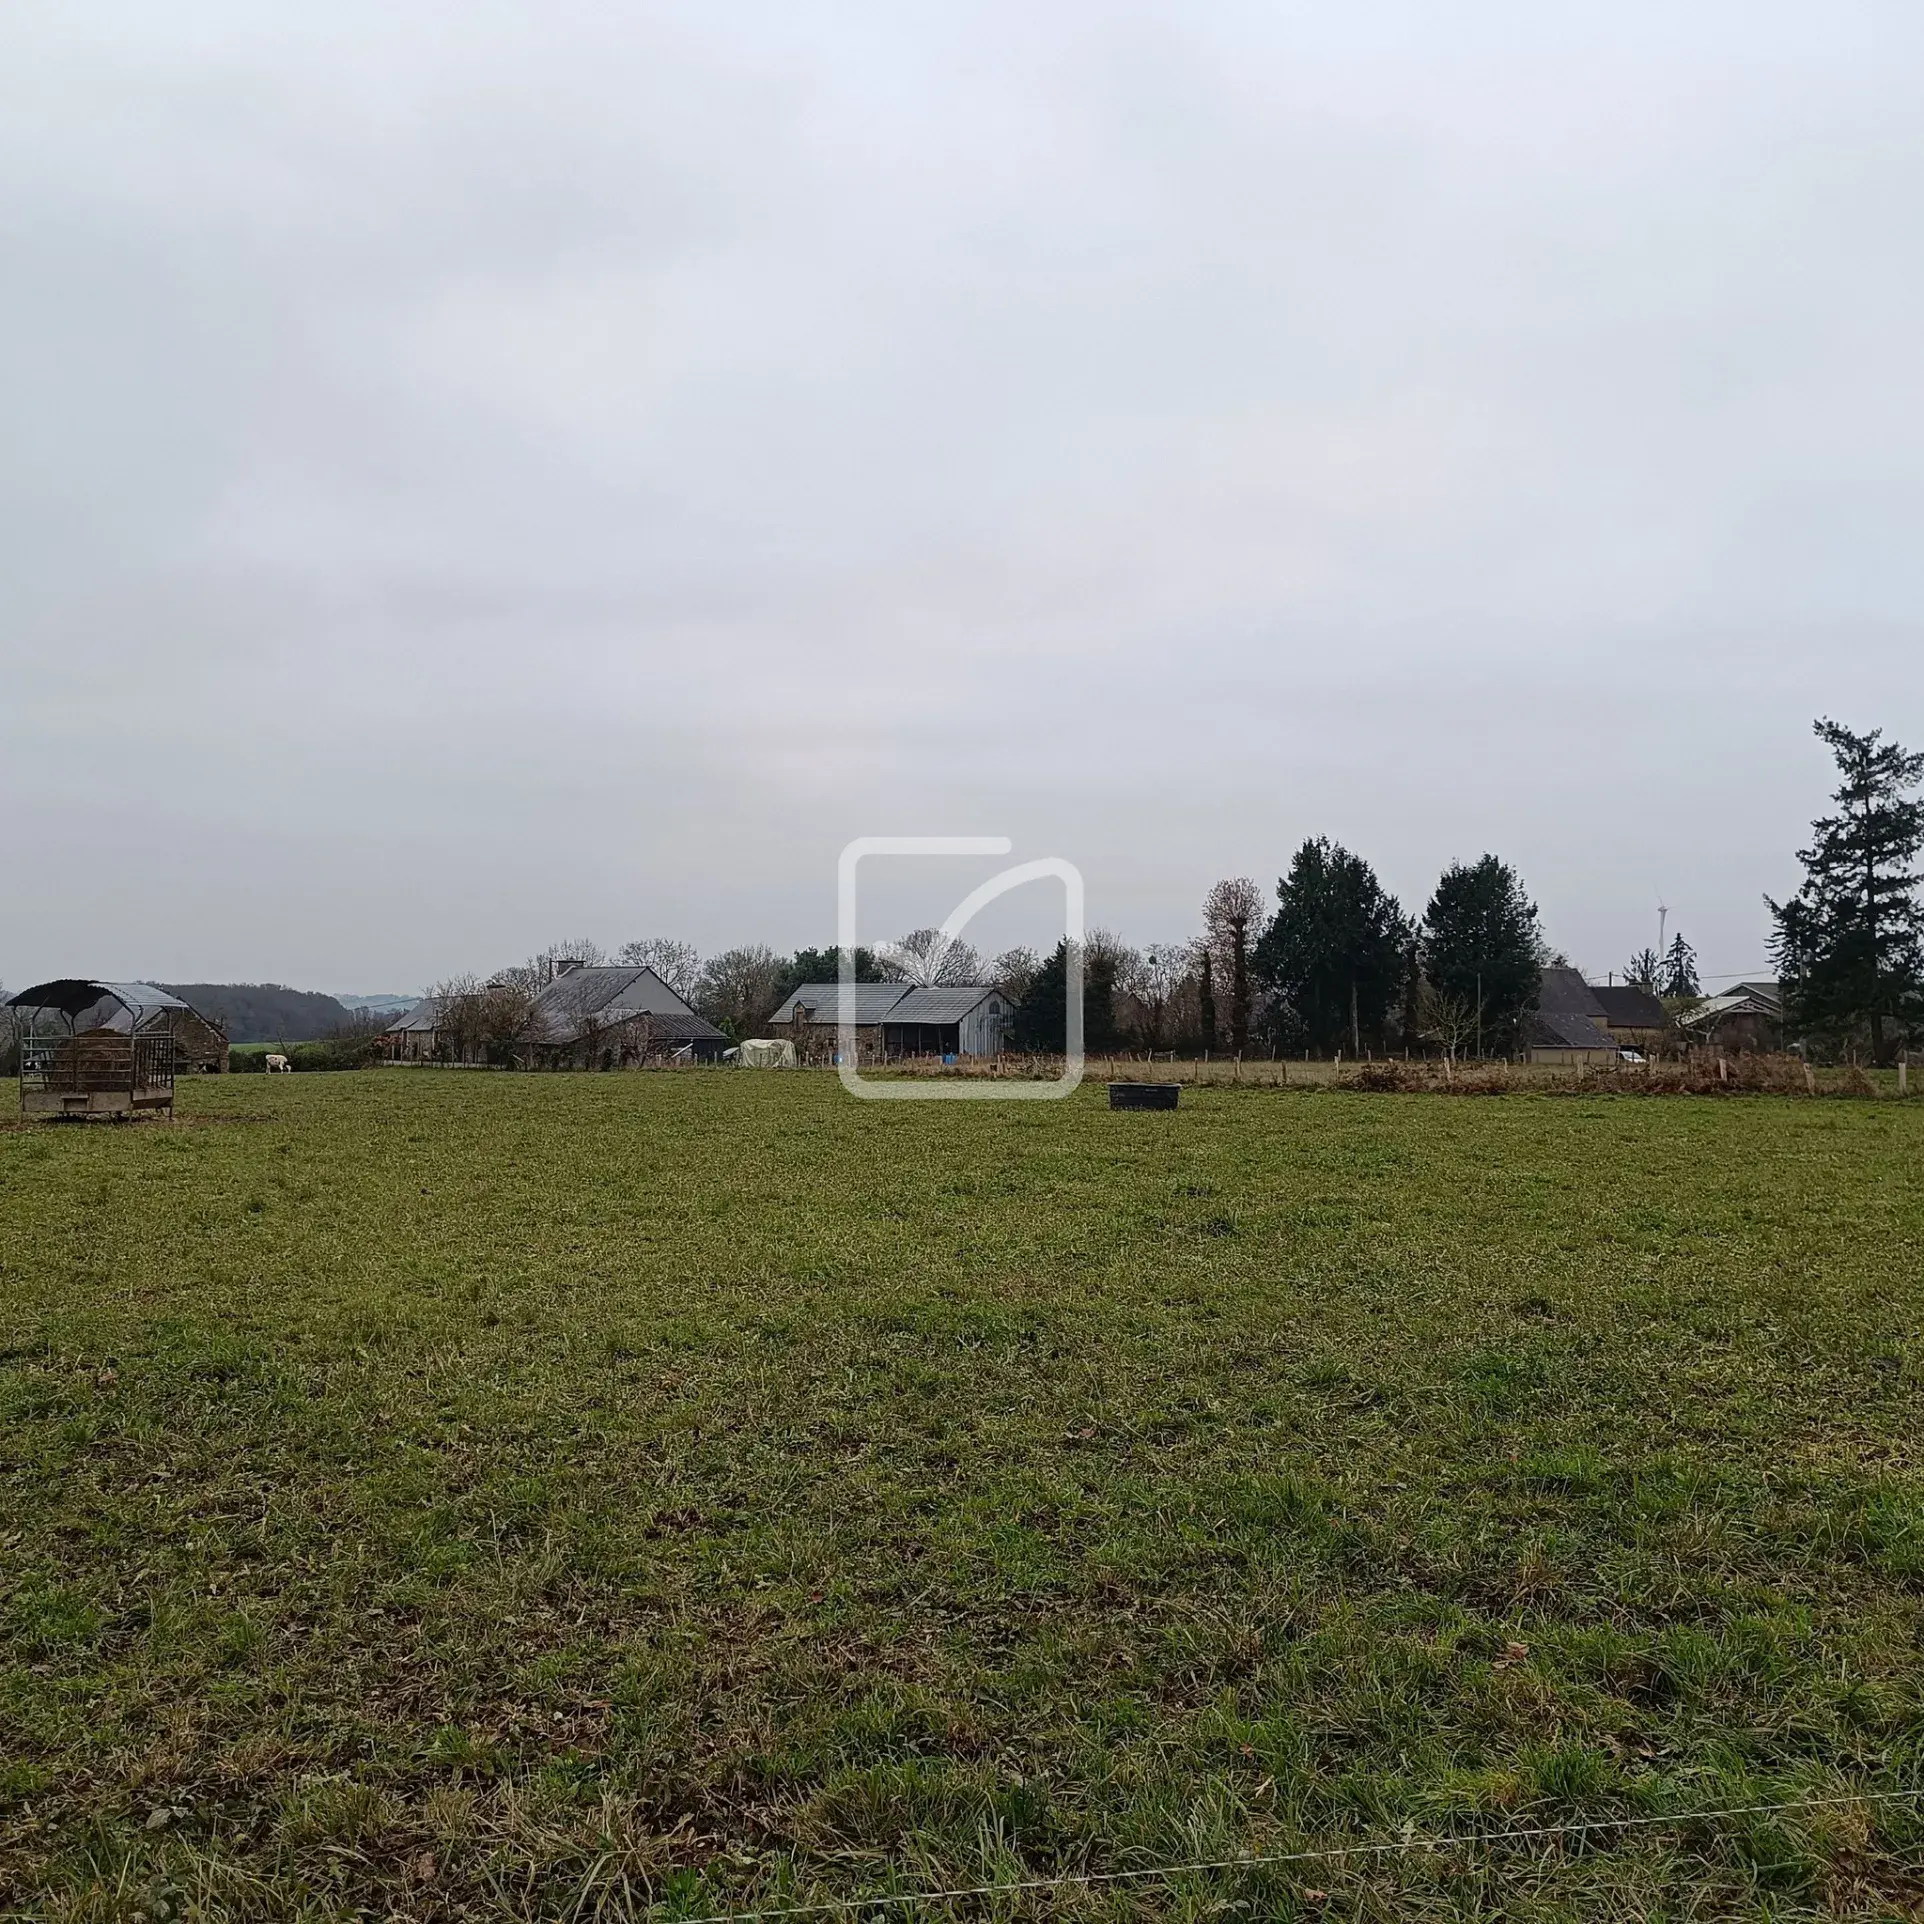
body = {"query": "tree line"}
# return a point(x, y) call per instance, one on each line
point(1332, 963)
point(1336, 966)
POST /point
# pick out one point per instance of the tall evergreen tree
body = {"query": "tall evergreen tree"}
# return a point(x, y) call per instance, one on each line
point(1334, 954)
point(1482, 946)
point(1206, 993)
point(1849, 945)
point(1678, 976)
point(1042, 1017)
point(823, 965)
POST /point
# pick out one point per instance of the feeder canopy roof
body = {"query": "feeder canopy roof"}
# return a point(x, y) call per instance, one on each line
point(124, 1006)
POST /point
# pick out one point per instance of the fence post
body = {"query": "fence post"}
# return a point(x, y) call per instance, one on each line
point(1810, 1080)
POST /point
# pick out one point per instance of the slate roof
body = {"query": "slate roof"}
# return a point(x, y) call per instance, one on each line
point(579, 998)
point(869, 1002)
point(1563, 991)
point(949, 1003)
point(683, 1028)
point(1553, 1029)
point(1626, 1006)
point(423, 1019)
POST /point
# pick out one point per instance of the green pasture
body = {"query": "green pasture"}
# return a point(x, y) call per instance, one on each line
point(435, 1495)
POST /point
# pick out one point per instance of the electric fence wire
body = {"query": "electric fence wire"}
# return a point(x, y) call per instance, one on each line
point(1388, 1847)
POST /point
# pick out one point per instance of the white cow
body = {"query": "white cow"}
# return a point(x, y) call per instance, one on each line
point(279, 1066)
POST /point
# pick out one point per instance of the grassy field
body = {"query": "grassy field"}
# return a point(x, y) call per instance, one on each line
point(430, 1495)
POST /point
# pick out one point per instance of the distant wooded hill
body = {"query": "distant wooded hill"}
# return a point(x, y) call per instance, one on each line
point(263, 1011)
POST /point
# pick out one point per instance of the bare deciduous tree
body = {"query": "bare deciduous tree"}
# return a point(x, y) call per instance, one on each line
point(1230, 909)
point(591, 955)
point(1013, 970)
point(928, 958)
point(736, 989)
point(677, 963)
point(509, 1020)
point(1451, 1021)
point(492, 1021)
point(1154, 986)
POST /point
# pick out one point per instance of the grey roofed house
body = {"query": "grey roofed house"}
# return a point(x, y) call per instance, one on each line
point(1550, 1034)
point(583, 1001)
point(586, 995)
point(411, 1037)
point(1570, 1020)
point(1630, 1006)
point(1563, 991)
point(423, 1019)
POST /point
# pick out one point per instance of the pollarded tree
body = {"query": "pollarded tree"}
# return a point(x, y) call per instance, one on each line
point(1335, 954)
point(1481, 945)
point(1230, 911)
point(1849, 945)
point(1644, 970)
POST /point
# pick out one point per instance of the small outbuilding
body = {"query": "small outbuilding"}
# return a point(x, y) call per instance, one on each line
point(1747, 1019)
point(107, 1048)
point(893, 1020)
point(967, 1019)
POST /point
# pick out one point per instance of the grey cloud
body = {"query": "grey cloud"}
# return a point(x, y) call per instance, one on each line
point(574, 469)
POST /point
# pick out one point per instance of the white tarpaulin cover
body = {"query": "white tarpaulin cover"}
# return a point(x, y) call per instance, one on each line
point(768, 1054)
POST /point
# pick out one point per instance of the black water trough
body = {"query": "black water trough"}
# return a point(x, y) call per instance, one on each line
point(1143, 1095)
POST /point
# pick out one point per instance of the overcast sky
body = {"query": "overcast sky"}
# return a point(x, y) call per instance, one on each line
point(472, 475)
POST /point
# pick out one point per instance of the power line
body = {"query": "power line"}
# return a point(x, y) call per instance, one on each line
point(1388, 1848)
